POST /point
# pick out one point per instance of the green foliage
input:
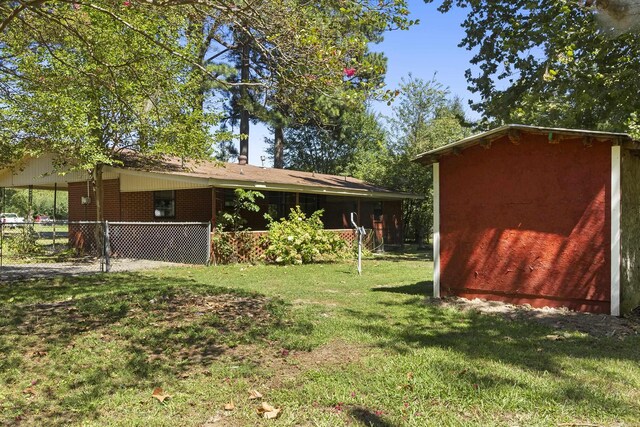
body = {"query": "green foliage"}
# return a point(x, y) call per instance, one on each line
point(24, 243)
point(333, 148)
point(301, 240)
point(424, 117)
point(17, 201)
point(231, 238)
point(550, 63)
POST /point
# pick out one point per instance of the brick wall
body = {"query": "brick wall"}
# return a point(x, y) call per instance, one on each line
point(111, 206)
point(137, 206)
point(192, 205)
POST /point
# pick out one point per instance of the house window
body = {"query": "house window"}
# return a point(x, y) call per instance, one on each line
point(164, 204)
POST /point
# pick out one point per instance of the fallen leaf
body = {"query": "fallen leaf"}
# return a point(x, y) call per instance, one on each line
point(271, 415)
point(29, 390)
point(229, 406)
point(555, 337)
point(254, 394)
point(409, 375)
point(268, 412)
point(158, 393)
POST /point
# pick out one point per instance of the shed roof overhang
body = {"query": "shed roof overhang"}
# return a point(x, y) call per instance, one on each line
point(513, 131)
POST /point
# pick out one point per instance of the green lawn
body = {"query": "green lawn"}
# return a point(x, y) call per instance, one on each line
point(328, 347)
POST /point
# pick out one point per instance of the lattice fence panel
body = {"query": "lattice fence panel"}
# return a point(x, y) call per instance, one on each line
point(250, 246)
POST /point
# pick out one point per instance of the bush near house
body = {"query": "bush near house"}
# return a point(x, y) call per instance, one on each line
point(301, 240)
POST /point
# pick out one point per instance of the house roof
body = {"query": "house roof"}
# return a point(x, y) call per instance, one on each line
point(137, 173)
point(512, 130)
point(233, 175)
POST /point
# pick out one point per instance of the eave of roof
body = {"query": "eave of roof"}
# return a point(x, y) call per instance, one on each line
point(231, 175)
point(432, 156)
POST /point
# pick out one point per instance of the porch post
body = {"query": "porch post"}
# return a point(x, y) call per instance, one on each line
point(213, 206)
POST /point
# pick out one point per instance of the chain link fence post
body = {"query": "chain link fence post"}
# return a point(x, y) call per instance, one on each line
point(208, 244)
point(107, 248)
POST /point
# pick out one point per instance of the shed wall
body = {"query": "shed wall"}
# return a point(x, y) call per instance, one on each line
point(630, 232)
point(528, 223)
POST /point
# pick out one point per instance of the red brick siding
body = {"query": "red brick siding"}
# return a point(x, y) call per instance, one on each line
point(111, 205)
point(528, 223)
point(137, 206)
point(193, 205)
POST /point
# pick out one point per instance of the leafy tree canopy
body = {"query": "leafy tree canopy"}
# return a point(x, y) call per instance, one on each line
point(551, 62)
point(425, 116)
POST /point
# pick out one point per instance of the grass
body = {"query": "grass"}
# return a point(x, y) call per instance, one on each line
point(329, 347)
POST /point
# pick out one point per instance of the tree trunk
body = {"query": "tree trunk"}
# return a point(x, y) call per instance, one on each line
point(278, 152)
point(97, 179)
point(244, 103)
point(99, 192)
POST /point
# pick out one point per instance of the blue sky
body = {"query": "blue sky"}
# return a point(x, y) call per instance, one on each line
point(427, 48)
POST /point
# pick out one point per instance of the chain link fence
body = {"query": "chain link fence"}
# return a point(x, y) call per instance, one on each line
point(44, 249)
point(185, 242)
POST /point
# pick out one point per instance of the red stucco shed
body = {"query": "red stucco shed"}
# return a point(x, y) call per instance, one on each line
point(544, 216)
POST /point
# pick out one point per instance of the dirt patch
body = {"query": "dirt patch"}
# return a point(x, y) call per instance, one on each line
point(332, 354)
point(557, 318)
point(26, 271)
point(185, 330)
point(281, 365)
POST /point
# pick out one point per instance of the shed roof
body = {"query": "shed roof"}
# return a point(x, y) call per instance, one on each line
point(512, 130)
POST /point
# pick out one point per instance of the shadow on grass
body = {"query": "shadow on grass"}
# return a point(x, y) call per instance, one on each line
point(421, 288)
point(401, 257)
point(366, 417)
point(102, 333)
point(411, 324)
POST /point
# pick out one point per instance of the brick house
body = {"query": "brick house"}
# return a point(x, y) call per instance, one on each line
point(544, 216)
point(171, 190)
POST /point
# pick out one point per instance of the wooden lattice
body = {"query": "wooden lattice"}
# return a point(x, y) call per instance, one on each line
point(251, 245)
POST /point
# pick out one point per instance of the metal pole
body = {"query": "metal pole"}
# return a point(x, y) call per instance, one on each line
point(209, 244)
point(359, 251)
point(106, 247)
point(55, 202)
point(359, 232)
point(30, 213)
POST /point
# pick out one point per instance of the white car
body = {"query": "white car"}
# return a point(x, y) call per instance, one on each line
point(11, 220)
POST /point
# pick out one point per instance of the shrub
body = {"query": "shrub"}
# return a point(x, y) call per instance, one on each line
point(25, 243)
point(301, 240)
